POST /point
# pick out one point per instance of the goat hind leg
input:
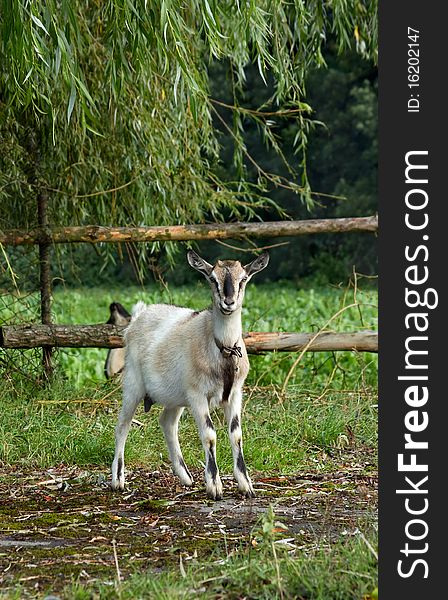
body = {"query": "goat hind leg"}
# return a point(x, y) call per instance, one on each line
point(132, 395)
point(169, 421)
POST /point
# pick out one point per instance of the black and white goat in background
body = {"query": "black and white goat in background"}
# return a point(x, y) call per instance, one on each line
point(178, 357)
point(115, 357)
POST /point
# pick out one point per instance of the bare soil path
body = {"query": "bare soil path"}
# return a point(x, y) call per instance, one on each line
point(65, 523)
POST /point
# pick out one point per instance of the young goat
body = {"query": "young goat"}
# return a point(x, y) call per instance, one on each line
point(115, 357)
point(178, 357)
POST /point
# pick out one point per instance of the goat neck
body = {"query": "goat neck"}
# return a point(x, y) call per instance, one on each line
point(227, 329)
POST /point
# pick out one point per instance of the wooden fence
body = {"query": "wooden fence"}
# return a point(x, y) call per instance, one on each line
point(48, 335)
point(94, 234)
point(111, 336)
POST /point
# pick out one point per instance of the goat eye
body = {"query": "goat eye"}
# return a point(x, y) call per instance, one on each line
point(243, 280)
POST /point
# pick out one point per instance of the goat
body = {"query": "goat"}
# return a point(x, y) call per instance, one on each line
point(178, 357)
point(115, 357)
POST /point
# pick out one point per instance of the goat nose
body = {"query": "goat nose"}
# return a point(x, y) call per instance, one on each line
point(228, 301)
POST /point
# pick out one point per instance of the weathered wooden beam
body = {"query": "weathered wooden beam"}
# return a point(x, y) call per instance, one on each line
point(63, 336)
point(259, 341)
point(179, 233)
point(111, 336)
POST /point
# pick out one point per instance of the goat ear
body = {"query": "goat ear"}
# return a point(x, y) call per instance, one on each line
point(118, 314)
point(120, 309)
point(113, 314)
point(198, 263)
point(260, 263)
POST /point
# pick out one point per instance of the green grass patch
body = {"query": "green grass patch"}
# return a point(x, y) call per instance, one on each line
point(39, 426)
point(263, 568)
point(268, 307)
point(346, 571)
point(325, 423)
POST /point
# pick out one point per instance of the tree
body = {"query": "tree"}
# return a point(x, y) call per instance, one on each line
point(342, 163)
point(106, 107)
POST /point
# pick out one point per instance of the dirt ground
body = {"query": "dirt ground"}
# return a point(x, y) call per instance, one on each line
point(65, 523)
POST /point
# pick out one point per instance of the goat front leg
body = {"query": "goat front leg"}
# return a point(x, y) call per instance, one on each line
point(207, 433)
point(169, 421)
point(232, 411)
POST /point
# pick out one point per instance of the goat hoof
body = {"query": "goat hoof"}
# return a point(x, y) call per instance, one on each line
point(186, 481)
point(117, 486)
point(246, 491)
point(214, 496)
point(214, 493)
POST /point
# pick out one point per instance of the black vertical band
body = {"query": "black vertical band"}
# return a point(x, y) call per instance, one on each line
point(413, 262)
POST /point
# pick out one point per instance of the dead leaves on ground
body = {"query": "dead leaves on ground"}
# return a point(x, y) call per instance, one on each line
point(65, 521)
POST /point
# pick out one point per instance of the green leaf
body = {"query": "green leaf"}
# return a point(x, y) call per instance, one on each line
point(71, 102)
point(39, 23)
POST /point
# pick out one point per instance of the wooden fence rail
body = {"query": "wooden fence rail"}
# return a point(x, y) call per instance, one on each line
point(110, 336)
point(179, 233)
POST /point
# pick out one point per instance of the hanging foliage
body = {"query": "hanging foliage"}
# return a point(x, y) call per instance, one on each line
point(106, 105)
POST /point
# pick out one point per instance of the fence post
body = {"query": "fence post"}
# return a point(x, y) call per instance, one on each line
point(45, 280)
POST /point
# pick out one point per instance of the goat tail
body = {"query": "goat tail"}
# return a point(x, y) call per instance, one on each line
point(138, 308)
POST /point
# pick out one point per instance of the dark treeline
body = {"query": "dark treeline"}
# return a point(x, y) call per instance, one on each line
point(341, 166)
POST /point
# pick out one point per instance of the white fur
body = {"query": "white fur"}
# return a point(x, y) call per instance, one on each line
point(172, 356)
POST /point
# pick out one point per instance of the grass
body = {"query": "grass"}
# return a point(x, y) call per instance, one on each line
point(325, 423)
point(265, 569)
point(262, 574)
point(268, 307)
point(303, 433)
point(38, 425)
